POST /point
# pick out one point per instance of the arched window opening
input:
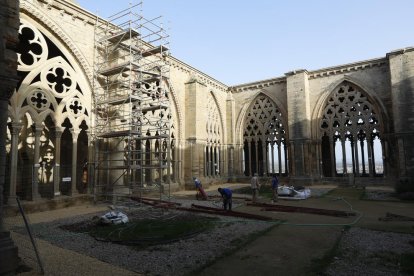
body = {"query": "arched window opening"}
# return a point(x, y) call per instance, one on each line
point(264, 150)
point(351, 141)
point(213, 155)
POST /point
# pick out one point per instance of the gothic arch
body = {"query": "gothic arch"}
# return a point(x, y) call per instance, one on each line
point(350, 129)
point(320, 104)
point(215, 136)
point(241, 117)
point(53, 90)
point(264, 138)
point(58, 36)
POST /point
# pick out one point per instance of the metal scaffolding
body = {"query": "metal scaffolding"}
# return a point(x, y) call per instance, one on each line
point(132, 124)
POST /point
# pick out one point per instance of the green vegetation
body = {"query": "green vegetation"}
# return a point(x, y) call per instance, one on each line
point(265, 191)
point(350, 193)
point(407, 263)
point(150, 231)
point(237, 245)
point(319, 265)
point(405, 189)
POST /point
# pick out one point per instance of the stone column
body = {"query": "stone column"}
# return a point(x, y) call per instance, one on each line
point(9, 21)
point(370, 157)
point(345, 169)
point(57, 132)
point(273, 156)
point(75, 134)
point(91, 162)
point(15, 129)
point(279, 157)
point(256, 145)
point(401, 68)
point(355, 148)
point(37, 130)
point(249, 145)
point(231, 163)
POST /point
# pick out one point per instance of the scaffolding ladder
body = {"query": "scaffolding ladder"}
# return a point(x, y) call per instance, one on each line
point(131, 132)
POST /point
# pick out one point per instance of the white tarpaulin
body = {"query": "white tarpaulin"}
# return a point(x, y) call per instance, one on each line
point(114, 217)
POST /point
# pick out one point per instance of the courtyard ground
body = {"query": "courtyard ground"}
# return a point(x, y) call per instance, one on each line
point(297, 244)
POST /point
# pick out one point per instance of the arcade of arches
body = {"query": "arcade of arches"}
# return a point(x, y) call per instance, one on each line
point(307, 126)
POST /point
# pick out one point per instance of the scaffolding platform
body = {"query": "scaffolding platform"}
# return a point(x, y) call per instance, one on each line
point(120, 133)
point(120, 100)
point(131, 133)
point(119, 68)
point(157, 50)
point(121, 36)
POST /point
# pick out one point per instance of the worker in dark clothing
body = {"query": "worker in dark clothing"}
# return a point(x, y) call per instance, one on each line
point(227, 195)
point(275, 185)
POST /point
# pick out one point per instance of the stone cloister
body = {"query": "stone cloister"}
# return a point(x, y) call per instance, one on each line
point(351, 121)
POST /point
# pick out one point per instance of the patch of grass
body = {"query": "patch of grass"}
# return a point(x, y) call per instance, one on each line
point(150, 231)
point(265, 191)
point(319, 265)
point(407, 263)
point(351, 193)
point(239, 243)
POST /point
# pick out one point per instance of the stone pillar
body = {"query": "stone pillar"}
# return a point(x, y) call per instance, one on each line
point(75, 134)
point(249, 145)
point(265, 158)
point(272, 154)
point(299, 120)
point(37, 130)
point(370, 157)
point(231, 163)
point(15, 129)
point(91, 163)
point(355, 150)
point(256, 146)
point(401, 66)
point(279, 157)
point(345, 170)
point(195, 132)
point(9, 20)
point(57, 132)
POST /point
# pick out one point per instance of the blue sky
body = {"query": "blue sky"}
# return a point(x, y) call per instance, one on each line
point(240, 41)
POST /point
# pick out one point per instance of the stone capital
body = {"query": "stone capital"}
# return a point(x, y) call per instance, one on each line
point(75, 133)
point(15, 128)
point(38, 128)
point(57, 131)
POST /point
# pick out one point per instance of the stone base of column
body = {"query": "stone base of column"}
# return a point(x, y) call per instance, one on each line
point(11, 201)
point(8, 255)
point(36, 196)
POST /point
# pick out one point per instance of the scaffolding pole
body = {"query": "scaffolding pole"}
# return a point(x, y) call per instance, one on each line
point(131, 130)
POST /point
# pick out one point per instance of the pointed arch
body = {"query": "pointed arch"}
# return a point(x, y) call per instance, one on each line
point(264, 132)
point(215, 138)
point(350, 124)
point(320, 104)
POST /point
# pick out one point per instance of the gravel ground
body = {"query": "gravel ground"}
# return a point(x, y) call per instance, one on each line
point(178, 258)
point(368, 252)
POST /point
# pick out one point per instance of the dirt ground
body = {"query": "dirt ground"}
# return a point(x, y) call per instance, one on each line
point(290, 247)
